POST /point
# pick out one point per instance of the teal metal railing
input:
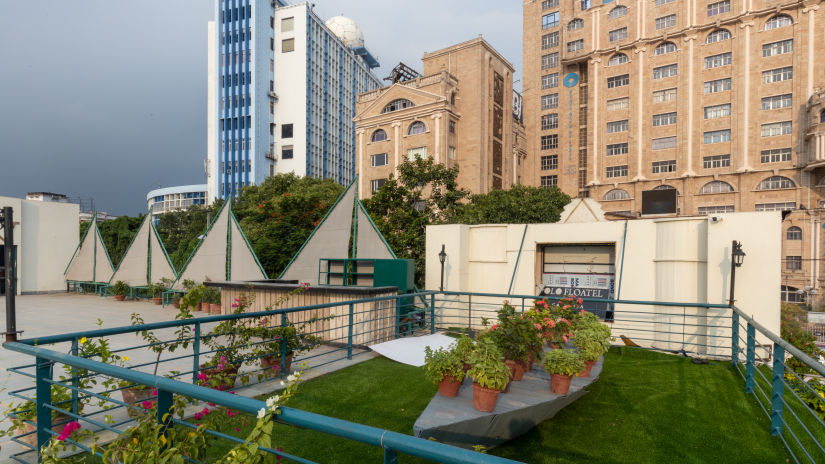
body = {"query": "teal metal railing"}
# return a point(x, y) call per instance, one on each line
point(710, 330)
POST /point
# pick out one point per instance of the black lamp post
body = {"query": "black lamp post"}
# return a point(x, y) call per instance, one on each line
point(442, 256)
point(737, 256)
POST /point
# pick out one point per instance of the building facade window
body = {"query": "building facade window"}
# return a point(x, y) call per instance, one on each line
point(660, 167)
point(575, 24)
point(718, 85)
point(418, 152)
point(547, 4)
point(793, 263)
point(617, 12)
point(662, 2)
point(716, 186)
point(778, 21)
point(287, 45)
point(286, 131)
point(549, 81)
point(617, 126)
point(777, 75)
point(618, 81)
point(617, 34)
point(793, 233)
point(717, 8)
point(775, 102)
point(664, 48)
point(664, 95)
point(379, 160)
point(782, 206)
point(549, 162)
point(665, 22)
point(618, 104)
point(549, 121)
point(717, 111)
point(287, 24)
point(618, 58)
point(575, 45)
point(287, 152)
point(664, 119)
point(379, 136)
point(716, 61)
point(376, 184)
point(550, 181)
point(792, 294)
point(616, 171)
point(716, 161)
point(616, 194)
point(717, 136)
point(550, 20)
point(550, 40)
point(718, 35)
point(617, 149)
point(775, 155)
point(417, 127)
point(715, 209)
point(551, 60)
point(777, 48)
point(775, 183)
point(773, 129)
point(549, 142)
point(662, 72)
point(549, 101)
point(398, 104)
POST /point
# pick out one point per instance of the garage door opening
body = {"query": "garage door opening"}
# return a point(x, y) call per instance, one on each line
point(581, 270)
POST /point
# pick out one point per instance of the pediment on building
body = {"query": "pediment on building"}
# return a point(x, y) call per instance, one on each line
point(397, 91)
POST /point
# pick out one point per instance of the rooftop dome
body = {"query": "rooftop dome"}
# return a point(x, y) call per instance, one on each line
point(347, 31)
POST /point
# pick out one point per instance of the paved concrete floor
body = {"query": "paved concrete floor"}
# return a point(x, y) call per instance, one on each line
point(40, 315)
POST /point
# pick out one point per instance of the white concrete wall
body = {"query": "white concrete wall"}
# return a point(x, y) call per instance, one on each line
point(291, 87)
point(46, 235)
point(674, 260)
point(212, 162)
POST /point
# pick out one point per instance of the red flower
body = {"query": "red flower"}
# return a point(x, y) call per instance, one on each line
point(494, 327)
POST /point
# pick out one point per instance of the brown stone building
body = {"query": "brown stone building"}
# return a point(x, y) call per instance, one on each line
point(719, 100)
point(459, 112)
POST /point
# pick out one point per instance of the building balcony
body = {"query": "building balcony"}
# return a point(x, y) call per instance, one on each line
point(419, 82)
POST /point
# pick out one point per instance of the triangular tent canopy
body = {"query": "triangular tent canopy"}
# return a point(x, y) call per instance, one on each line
point(223, 253)
point(332, 237)
point(90, 262)
point(146, 260)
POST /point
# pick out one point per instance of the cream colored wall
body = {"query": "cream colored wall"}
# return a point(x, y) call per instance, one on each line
point(46, 236)
point(676, 260)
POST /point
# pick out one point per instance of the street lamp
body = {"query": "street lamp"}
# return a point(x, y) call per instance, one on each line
point(442, 256)
point(737, 256)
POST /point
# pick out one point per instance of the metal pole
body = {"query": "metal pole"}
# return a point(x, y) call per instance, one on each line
point(732, 273)
point(734, 339)
point(778, 389)
point(349, 331)
point(8, 247)
point(43, 398)
point(750, 359)
point(440, 256)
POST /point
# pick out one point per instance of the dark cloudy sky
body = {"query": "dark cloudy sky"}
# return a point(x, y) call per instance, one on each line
point(107, 98)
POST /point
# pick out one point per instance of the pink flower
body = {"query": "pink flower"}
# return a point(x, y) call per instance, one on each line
point(583, 311)
point(68, 429)
point(220, 366)
point(579, 301)
point(234, 305)
point(154, 392)
point(198, 416)
point(223, 359)
point(205, 411)
point(202, 376)
point(237, 429)
point(494, 327)
point(147, 404)
point(566, 307)
point(538, 326)
point(564, 337)
point(564, 320)
point(212, 404)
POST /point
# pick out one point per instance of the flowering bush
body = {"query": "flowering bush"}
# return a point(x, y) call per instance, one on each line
point(441, 363)
point(563, 362)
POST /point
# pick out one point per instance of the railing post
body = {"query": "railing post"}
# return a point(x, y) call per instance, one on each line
point(734, 338)
point(778, 390)
point(432, 313)
point(75, 379)
point(349, 331)
point(469, 314)
point(397, 316)
point(390, 456)
point(196, 353)
point(164, 413)
point(283, 347)
point(43, 392)
point(750, 358)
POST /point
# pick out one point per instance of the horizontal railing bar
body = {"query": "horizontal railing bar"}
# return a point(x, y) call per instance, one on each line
point(591, 300)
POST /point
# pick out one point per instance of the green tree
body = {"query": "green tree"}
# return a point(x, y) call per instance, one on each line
point(424, 193)
point(278, 215)
point(793, 328)
point(519, 205)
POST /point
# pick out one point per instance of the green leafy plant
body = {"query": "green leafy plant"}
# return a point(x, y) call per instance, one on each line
point(181, 340)
point(441, 363)
point(591, 344)
point(193, 296)
point(794, 320)
point(120, 288)
point(563, 362)
point(515, 335)
point(487, 366)
point(463, 347)
point(212, 295)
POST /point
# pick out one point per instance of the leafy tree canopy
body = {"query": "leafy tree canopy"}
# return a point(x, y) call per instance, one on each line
point(519, 205)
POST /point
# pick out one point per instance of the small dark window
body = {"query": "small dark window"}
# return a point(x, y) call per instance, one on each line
point(286, 131)
point(286, 152)
point(822, 116)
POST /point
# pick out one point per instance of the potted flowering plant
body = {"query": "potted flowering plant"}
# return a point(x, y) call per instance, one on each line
point(444, 368)
point(591, 344)
point(489, 373)
point(182, 338)
point(194, 296)
point(120, 289)
point(463, 347)
point(562, 365)
point(212, 297)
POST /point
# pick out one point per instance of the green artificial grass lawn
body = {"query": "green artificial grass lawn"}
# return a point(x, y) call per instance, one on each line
point(646, 407)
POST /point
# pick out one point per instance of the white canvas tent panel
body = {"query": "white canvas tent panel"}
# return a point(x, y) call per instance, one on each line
point(132, 267)
point(90, 262)
point(160, 266)
point(329, 240)
point(103, 265)
point(209, 260)
point(370, 244)
point(244, 265)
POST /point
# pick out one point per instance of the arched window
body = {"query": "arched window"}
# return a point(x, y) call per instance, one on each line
point(775, 183)
point(716, 186)
point(398, 104)
point(379, 135)
point(417, 127)
point(617, 12)
point(778, 21)
point(575, 24)
point(793, 233)
point(718, 36)
point(664, 48)
point(617, 194)
point(618, 58)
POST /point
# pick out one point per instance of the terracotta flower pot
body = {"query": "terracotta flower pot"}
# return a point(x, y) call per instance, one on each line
point(176, 304)
point(560, 384)
point(198, 307)
point(588, 365)
point(484, 399)
point(31, 438)
point(157, 300)
point(120, 297)
point(516, 369)
point(526, 366)
point(228, 376)
point(467, 367)
point(449, 386)
point(214, 308)
point(274, 363)
point(133, 395)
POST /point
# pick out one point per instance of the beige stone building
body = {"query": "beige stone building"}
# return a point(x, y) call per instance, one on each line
point(459, 112)
point(719, 100)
